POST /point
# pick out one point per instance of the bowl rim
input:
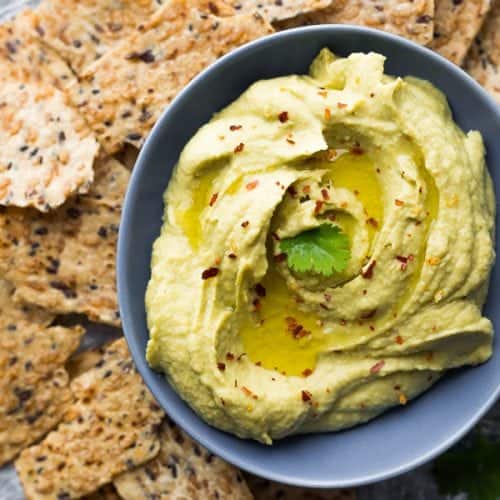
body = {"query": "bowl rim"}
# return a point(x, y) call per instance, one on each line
point(141, 163)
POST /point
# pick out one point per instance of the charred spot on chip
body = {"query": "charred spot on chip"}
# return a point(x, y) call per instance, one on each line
point(147, 56)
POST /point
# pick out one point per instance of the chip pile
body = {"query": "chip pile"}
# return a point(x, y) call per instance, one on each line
point(81, 85)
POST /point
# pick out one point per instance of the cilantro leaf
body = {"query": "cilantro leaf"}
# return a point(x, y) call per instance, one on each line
point(474, 470)
point(323, 250)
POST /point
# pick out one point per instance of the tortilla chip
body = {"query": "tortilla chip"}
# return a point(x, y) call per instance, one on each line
point(84, 361)
point(412, 19)
point(64, 261)
point(263, 489)
point(34, 391)
point(182, 469)
point(47, 150)
point(22, 58)
point(123, 94)
point(483, 60)
point(112, 427)
point(81, 31)
point(107, 492)
point(455, 26)
point(281, 10)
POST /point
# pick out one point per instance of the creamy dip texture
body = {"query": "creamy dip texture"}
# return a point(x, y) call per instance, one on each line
point(262, 350)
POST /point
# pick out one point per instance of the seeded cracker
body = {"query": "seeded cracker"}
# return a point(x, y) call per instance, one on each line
point(34, 388)
point(123, 94)
point(412, 19)
point(81, 31)
point(456, 24)
point(274, 10)
point(47, 150)
point(64, 261)
point(483, 60)
point(112, 427)
point(182, 469)
point(263, 489)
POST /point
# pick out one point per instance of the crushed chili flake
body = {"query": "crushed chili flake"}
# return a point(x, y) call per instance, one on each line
point(328, 114)
point(368, 272)
point(377, 366)
point(399, 340)
point(357, 150)
point(291, 191)
point(403, 399)
point(217, 261)
point(232, 255)
point(230, 356)
point(318, 206)
point(259, 363)
point(213, 199)
point(307, 372)
point(399, 203)
point(324, 193)
point(283, 117)
point(252, 185)
point(211, 272)
point(247, 392)
point(332, 217)
point(306, 189)
point(233, 128)
point(239, 148)
point(221, 366)
point(260, 290)
point(306, 396)
point(323, 93)
point(256, 303)
point(280, 257)
point(341, 105)
point(369, 314)
point(245, 223)
point(290, 141)
point(299, 332)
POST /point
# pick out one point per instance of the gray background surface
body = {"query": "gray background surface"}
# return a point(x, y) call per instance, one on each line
point(416, 485)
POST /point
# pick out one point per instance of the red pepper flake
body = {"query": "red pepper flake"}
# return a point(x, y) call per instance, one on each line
point(307, 372)
point(324, 193)
point(283, 117)
point(221, 366)
point(369, 314)
point(306, 189)
point(306, 396)
point(247, 392)
point(373, 222)
point(318, 206)
point(323, 93)
point(217, 261)
point(211, 272)
point(341, 105)
point(357, 150)
point(332, 217)
point(280, 257)
point(259, 363)
point(252, 185)
point(239, 148)
point(404, 261)
point(399, 203)
point(368, 272)
point(292, 191)
point(299, 331)
point(233, 128)
point(245, 223)
point(328, 114)
point(213, 199)
point(230, 356)
point(377, 366)
point(256, 303)
point(290, 141)
point(232, 256)
point(260, 290)
point(399, 340)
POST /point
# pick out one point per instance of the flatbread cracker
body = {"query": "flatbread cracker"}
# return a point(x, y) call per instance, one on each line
point(81, 31)
point(34, 390)
point(184, 470)
point(112, 427)
point(456, 23)
point(280, 10)
point(412, 19)
point(64, 261)
point(48, 150)
point(123, 94)
point(483, 60)
point(263, 489)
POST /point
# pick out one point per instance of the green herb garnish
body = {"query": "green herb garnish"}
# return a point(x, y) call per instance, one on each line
point(323, 250)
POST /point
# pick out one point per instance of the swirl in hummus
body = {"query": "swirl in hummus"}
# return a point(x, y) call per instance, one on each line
point(262, 351)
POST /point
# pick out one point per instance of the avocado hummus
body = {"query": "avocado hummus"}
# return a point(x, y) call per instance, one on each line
point(263, 350)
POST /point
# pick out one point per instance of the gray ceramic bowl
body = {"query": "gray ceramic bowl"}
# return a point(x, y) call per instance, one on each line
point(402, 438)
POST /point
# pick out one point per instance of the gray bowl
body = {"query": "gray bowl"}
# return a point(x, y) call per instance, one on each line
point(402, 438)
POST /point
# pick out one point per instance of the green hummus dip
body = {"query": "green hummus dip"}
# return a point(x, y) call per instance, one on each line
point(263, 351)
